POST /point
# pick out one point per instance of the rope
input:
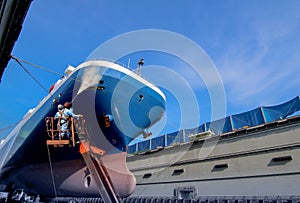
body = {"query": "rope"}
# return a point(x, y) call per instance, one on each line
point(40, 84)
point(11, 126)
point(36, 66)
point(51, 169)
point(43, 68)
point(18, 60)
point(8, 127)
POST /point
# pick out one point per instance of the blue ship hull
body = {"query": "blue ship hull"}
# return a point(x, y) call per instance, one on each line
point(96, 89)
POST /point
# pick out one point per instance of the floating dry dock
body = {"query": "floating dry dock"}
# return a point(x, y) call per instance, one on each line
point(258, 160)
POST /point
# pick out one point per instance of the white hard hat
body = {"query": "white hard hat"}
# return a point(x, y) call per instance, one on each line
point(60, 107)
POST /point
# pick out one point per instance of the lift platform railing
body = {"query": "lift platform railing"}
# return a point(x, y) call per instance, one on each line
point(88, 150)
point(54, 131)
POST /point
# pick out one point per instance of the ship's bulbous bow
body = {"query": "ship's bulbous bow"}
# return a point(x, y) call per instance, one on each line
point(123, 180)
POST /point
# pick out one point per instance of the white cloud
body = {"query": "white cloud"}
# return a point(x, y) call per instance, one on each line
point(261, 67)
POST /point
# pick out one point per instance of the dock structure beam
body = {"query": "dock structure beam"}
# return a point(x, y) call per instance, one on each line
point(12, 15)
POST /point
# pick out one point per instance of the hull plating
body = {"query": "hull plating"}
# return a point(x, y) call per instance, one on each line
point(96, 88)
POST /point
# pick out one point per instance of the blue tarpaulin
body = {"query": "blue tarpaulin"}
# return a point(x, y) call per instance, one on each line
point(282, 111)
point(251, 118)
point(158, 142)
point(132, 149)
point(143, 146)
point(192, 131)
point(173, 138)
point(219, 126)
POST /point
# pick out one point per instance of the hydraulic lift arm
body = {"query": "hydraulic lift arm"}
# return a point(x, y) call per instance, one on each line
point(99, 172)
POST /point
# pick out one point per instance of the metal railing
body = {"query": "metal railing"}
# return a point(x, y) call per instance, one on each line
point(53, 128)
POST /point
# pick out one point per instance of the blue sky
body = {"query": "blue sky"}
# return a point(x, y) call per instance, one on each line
point(255, 46)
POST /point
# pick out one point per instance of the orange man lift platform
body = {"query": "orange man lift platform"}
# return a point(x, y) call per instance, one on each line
point(90, 153)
